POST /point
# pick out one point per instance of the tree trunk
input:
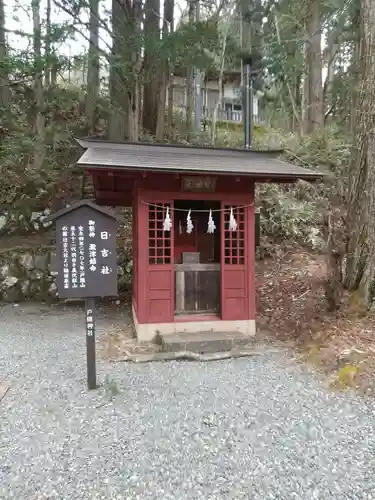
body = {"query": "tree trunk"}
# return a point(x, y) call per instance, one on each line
point(360, 271)
point(330, 54)
point(305, 112)
point(4, 75)
point(119, 85)
point(170, 87)
point(314, 60)
point(355, 65)
point(39, 149)
point(164, 70)
point(220, 85)
point(135, 101)
point(93, 79)
point(287, 82)
point(151, 65)
point(245, 42)
point(335, 243)
point(190, 82)
point(47, 50)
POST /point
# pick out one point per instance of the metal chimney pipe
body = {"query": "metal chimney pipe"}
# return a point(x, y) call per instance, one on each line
point(247, 102)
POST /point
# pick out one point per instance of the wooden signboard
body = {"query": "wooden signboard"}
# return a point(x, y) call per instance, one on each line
point(86, 263)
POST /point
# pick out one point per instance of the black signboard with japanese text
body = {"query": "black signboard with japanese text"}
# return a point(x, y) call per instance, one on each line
point(86, 251)
point(86, 263)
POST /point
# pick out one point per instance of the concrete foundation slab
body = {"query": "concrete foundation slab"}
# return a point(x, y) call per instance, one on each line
point(205, 342)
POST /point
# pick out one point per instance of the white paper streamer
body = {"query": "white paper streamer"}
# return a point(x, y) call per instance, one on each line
point(211, 224)
point(180, 227)
point(167, 225)
point(232, 221)
point(189, 223)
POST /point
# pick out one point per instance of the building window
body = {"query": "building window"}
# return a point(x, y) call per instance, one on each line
point(234, 241)
point(159, 241)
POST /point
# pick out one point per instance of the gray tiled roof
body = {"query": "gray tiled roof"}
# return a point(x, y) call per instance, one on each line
point(167, 158)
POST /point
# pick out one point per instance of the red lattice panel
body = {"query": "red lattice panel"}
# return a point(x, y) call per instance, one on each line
point(159, 241)
point(234, 241)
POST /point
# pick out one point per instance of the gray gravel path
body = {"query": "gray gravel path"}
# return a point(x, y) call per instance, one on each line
point(256, 428)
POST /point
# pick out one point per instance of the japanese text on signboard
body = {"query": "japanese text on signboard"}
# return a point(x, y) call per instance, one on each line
point(87, 255)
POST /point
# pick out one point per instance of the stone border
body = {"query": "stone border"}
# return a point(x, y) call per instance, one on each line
point(29, 274)
point(185, 356)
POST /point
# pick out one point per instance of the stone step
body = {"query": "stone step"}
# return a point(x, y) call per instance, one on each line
point(205, 342)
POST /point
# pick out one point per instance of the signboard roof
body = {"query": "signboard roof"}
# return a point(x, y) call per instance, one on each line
point(80, 204)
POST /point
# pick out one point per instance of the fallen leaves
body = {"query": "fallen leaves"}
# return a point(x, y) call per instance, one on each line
point(292, 306)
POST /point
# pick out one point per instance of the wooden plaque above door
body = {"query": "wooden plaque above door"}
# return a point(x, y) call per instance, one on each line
point(198, 184)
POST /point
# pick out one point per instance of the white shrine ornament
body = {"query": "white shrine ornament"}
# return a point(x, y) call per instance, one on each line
point(189, 223)
point(167, 225)
point(211, 224)
point(232, 221)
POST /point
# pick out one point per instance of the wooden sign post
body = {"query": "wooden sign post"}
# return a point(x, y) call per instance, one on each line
point(87, 263)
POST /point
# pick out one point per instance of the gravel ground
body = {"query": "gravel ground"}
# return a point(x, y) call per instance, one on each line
point(256, 428)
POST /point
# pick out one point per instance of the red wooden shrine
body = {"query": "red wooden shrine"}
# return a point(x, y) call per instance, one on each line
point(188, 282)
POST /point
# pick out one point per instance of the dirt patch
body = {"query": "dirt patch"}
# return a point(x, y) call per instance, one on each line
point(292, 306)
point(121, 343)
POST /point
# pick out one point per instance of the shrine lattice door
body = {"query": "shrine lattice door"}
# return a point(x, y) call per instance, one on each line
point(160, 280)
point(234, 285)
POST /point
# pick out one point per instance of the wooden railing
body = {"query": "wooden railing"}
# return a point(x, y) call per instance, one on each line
point(222, 115)
point(197, 288)
point(230, 116)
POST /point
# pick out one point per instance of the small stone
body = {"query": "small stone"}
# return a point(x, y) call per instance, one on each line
point(41, 262)
point(4, 271)
point(46, 213)
point(120, 271)
point(53, 264)
point(11, 294)
point(25, 287)
point(3, 221)
point(36, 274)
point(27, 261)
point(52, 290)
point(9, 282)
point(35, 216)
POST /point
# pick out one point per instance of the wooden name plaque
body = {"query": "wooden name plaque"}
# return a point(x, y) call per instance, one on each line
point(199, 184)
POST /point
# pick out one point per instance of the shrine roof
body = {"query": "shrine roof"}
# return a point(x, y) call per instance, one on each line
point(140, 156)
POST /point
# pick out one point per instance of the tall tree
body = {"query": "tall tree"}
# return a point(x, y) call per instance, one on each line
point(164, 68)
point(47, 51)
point(93, 79)
point(39, 151)
point(135, 99)
point(4, 76)
point(170, 81)
point(120, 70)
point(314, 66)
point(151, 65)
point(190, 78)
point(360, 271)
